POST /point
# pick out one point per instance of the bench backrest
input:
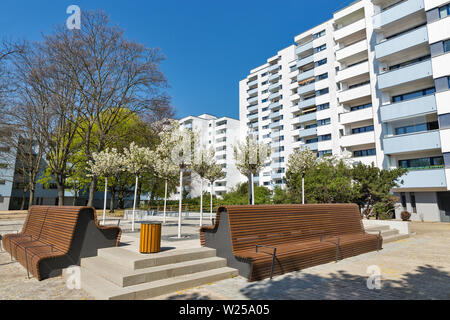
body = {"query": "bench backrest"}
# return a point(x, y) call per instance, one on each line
point(34, 221)
point(278, 224)
point(59, 226)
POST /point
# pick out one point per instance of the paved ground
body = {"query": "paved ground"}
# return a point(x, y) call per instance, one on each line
point(414, 268)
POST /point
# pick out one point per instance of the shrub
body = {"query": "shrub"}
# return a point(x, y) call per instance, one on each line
point(405, 215)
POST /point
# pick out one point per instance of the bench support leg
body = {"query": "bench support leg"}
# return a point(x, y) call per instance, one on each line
point(337, 248)
point(379, 236)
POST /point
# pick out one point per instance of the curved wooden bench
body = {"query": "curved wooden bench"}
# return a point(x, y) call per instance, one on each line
point(54, 238)
point(261, 241)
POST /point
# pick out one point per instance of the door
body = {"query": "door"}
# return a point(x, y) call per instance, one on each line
point(444, 205)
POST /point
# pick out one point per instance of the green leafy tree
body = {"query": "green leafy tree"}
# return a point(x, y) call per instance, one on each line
point(373, 186)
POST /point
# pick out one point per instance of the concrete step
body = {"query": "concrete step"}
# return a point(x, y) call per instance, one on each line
point(395, 238)
point(385, 233)
point(377, 228)
point(124, 277)
point(102, 289)
point(135, 260)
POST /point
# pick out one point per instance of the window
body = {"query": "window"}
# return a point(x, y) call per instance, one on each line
point(324, 153)
point(358, 85)
point(422, 163)
point(264, 82)
point(2, 182)
point(414, 94)
point(321, 48)
point(444, 11)
point(264, 91)
point(309, 126)
point(311, 140)
point(408, 63)
point(325, 137)
point(322, 76)
point(364, 153)
point(434, 125)
point(324, 122)
point(265, 118)
point(265, 109)
point(319, 34)
point(321, 62)
point(266, 127)
point(263, 75)
point(362, 129)
point(403, 197)
point(447, 46)
point(413, 202)
point(364, 106)
point(323, 106)
point(3, 165)
point(4, 149)
point(322, 92)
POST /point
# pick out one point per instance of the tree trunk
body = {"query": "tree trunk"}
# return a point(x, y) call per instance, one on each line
point(92, 189)
point(75, 196)
point(180, 204)
point(139, 191)
point(111, 201)
point(30, 201)
point(120, 200)
point(60, 192)
point(22, 205)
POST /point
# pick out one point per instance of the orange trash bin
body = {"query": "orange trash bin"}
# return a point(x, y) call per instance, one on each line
point(150, 238)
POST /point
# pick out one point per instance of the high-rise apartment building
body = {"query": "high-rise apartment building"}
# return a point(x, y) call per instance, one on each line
point(220, 134)
point(372, 81)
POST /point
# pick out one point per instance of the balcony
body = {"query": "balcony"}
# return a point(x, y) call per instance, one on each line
point(275, 135)
point(275, 105)
point(354, 93)
point(277, 175)
point(401, 43)
point(305, 75)
point(274, 95)
point(253, 116)
point(294, 97)
point(252, 108)
point(252, 92)
point(274, 87)
point(305, 61)
point(275, 124)
point(275, 115)
point(419, 179)
point(397, 13)
point(306, 88)
point(356, 116)
point(307, 132)
point(420, 141)
point(407, 74)
point(303, 48)
point(274, 77)
point(276, 155)
point(306, 117)
point(353, 72)
point(409, 108)
point(351, 50)
point(252, 83)
point(350, 29)
point(365, 160)
point(357, 139)
point(252, 100)
point(312, 146)
point(307, 103)
point(275, 67)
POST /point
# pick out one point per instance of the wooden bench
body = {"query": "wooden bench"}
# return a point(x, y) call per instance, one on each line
point(54, 238)
point(266, 240)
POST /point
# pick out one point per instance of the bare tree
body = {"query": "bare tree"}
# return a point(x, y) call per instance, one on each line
point(110, 73)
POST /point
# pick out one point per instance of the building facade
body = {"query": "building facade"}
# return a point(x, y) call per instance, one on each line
point(373, 81)
point(220, 134)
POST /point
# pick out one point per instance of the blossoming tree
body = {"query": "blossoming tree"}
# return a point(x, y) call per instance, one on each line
point(202, 164)
point(214, 173)
point(250, 157)
point(105, 164)
point(136, 161)
point(299, 163)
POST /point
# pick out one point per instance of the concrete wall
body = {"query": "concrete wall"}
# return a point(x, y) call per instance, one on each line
point(426, 204)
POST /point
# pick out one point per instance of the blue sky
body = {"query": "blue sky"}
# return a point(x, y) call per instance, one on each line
point(209, 45)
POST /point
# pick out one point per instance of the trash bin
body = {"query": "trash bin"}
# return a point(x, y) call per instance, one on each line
point(150, 238)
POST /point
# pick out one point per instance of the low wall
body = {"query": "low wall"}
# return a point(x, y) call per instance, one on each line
point(401, 226)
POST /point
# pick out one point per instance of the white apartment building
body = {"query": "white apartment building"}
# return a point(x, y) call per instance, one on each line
point(374, 81)
point(221, 134)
